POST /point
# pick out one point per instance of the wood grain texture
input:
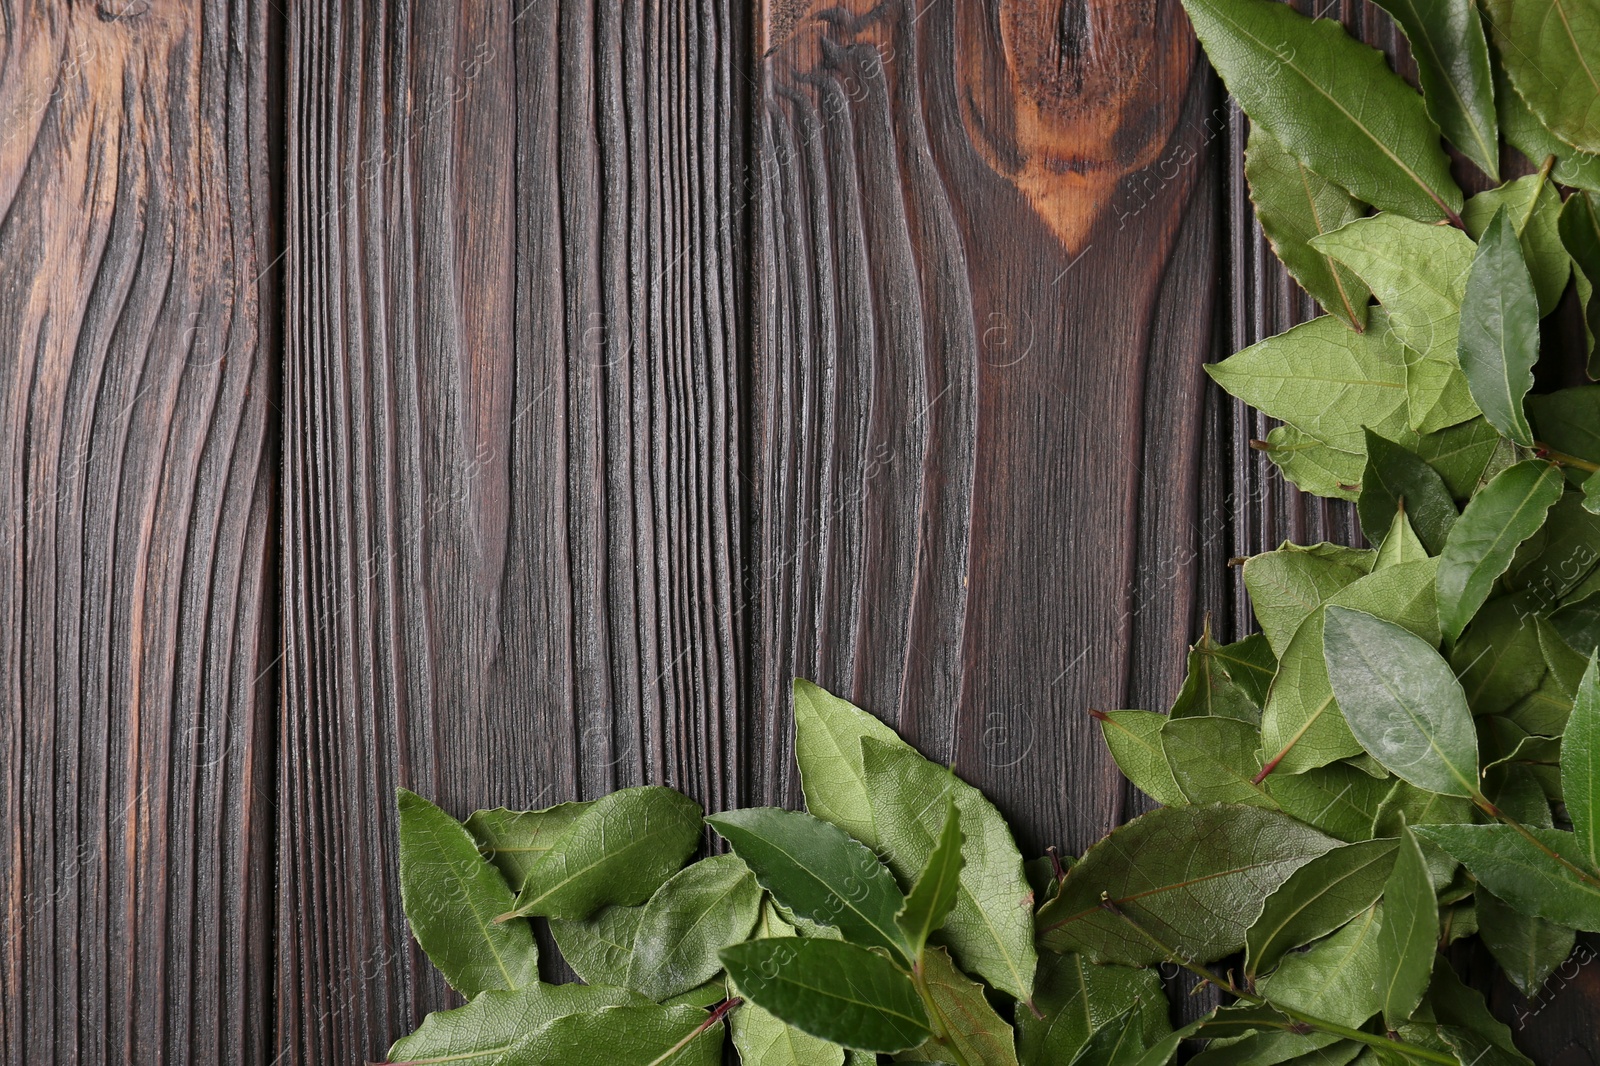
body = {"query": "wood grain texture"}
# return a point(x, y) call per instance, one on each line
point(136, 532)
point(989, 255)
point(511, 516)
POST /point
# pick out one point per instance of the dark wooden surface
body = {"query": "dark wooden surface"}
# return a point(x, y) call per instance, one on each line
point(626, 359)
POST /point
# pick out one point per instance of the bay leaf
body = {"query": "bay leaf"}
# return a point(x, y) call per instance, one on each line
point(1209, 689)
point(1547, 49)
point(1395, 474)
point(762, 1039)
point(1330, 101)
point(1580, 766)
point(832, 990)
point(1293, 204)
point(623, 1036)
point(990, 928)
point(1452, 58)
point(1500, 330)
point(1195, 878)
point(619, 851)
point(817, 871)
point(1408, 938)
point(1075, 998)
point(1524, 132)
point(1482, 543)
point(1316, 899)
point(1401, 700)
point(965, 1023)
point(1579, 228)
point(937, 887)
point(1286, 585)
point(483, 1030)
point(1544, 879)
point(599, 948)
point(1401, 544)
point(1419, 273)
point(1533, 207)
point(1568, 420)
point(1312, 466)
point(1337, 979)
point(827, 746)
point(1324, 378)
point(1528, 949)
point(515, 840)
point(452, 896)
point(1214, 760)
point(698, 912)
point(1134, 738)
point(1338, 799)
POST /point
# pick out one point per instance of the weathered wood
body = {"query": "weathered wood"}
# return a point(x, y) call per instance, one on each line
point(136, 533)
point(990, 261)
point(512, 446)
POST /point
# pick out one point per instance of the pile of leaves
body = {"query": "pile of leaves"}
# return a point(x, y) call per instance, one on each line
point(1405, 754)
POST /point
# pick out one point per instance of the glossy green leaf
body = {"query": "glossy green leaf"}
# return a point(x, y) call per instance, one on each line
point(1533, 207)
point(965, 1024)
point(1316, 899)
point(937, 887)
point(1396, 474)
point(1500, 330)
point(1337, 979)
point(1561, 562)
point(1331, 101)
point(480, 1032)
point(1452, 59)
point(1408, 938)
point(452, 896)
point(1324, 378)
point(1578, 623)
point(1194, 877)
point(827, 745)
point(623, 1036)
point(1544, 879)
point(1075, 998)
point(1114, 1044)
point(1580, 766)
point(1437, 394)
point(698, 912)
point(1498, 660)
point(1548, 49)
point(515, 840)
point(1134, 738)
point(1278, 1046)
point(618, 852)
point(1482, 543)
point(1418, 271)
point(1214, 760)
point(1301, 726)
point(817, 871)
point(1401, 701)
point(1338, 799)
point(832, 990)
point(599, 948)
point(1459, 454)
point(1250, 665)
point(1294, 204)
point(990, 928)
point(1406, 804)
point(1528, 949)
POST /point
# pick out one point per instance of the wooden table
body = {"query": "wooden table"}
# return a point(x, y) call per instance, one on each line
point(503, 401)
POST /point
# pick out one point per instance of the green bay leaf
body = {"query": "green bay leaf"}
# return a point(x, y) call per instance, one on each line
point(1548, 49)
point(1396, 474)
point(1543, 876)
point(1452, 57)
point(1499, 339)
point(452, 896)
point(1317, 899)
point(698, 912)
point(1401, 700)
point(1408, 938)
point(1337, 979)
point(832, 990)
point(1580, 765)
point(1331, 101)
point(1483, 542)
point(623, 1036)
point(1194, 877)
point(1294, 204)
point(1134, 738)
point(1528, 949)
point(515, 840)
point(483, 1030)
point(937, 887)
point(966, 1024)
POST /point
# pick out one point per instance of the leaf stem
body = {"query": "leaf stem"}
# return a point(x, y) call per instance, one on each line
point(719, 1012)
point(1562, 458)
point(1495, 812)
point(1322, 1024)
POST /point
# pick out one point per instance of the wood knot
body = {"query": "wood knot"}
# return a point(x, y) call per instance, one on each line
point(1068, 97)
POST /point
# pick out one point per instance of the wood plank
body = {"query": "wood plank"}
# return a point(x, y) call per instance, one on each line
point(990, 248)
point(511, 446)
point(136, 532)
